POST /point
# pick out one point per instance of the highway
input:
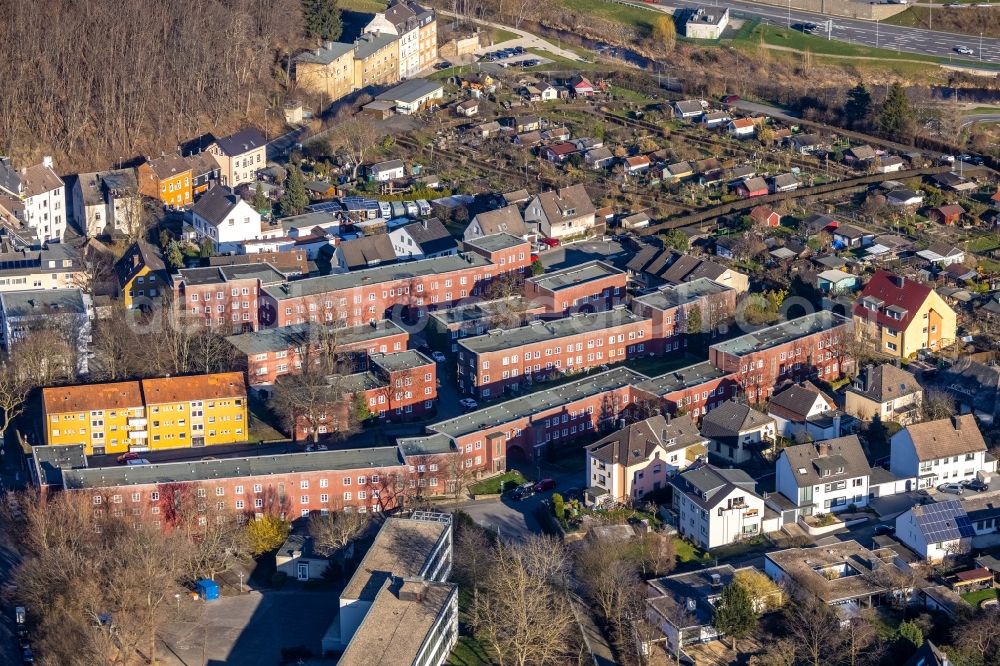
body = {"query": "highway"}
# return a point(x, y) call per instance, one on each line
point(865, 33)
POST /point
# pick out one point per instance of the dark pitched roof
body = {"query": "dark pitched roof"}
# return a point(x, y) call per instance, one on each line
point(507, 219)
point(140, 254)
point(368, 251)
point(247, 139)
point(884, 382)
point(730, 419)
point(431, 235)
point(705, 484)
point(636, 442)
point(830, 460)
point(794, 402)
point(216, 204)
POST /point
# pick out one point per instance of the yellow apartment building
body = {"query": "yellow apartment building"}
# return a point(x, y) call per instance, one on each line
point(327, 71)
point(167, 413)
point(105, 418)
point(200, 410)
point(376, 60)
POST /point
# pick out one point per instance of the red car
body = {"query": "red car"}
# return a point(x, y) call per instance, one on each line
point(125, 457)
point(534, 257)
point(545, 484)
point(551, 242)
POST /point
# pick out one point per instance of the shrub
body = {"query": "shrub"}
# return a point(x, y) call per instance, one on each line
point(558, 506)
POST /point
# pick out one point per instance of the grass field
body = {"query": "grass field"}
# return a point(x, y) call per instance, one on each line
point(365, 6)
point(500, 35)
point(966, 21)
point(687, 551)
point(635, 17)
point(493, 485)
point(973, 598)
point(558, 62)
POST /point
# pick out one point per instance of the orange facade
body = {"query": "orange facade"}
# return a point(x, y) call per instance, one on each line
point(164, 180)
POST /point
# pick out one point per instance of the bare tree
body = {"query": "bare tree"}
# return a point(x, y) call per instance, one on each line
point(355, 137)
point(14, 389)
point(334, 531)
point(813, 628)
point(936, 404)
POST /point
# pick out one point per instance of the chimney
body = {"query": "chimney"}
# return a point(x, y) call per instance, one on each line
point(822, 448)
point(899, 281)
point(836, 424)
point(328, 45)
point(956, 422)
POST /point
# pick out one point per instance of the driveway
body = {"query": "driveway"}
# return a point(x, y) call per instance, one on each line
point(251, 628)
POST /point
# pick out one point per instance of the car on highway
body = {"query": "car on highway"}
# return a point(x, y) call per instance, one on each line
point(545, 484)
point(439, 357)
point(125, 457)
point(468, 404)
point(950, 488)
point(977, 485)
point(965, 50)
point(884, 530)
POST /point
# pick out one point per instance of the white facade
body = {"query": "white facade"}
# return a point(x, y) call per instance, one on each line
point(827, 496)
point(707, 24)
point(788, 428)
point(242, 223)
point(735, 516)
point(409, 53)
point(909, 532)
point(932, 471)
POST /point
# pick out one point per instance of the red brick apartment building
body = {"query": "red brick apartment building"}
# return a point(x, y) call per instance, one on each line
point(361, 297)
point(809, 347)
point(447, 326)
point(510, 359)
point(695, 389)
point(397, 387)
point(589, 287)
point(224, 296)
point(271, 353)
point(669, 308)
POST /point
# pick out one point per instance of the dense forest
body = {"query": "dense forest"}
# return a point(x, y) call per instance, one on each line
point(97, 81)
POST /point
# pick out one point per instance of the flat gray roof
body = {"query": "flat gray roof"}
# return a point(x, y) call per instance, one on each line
point(403, 360)
point(671, 296)
point(692, 375)
point(377, 275)
point(286, 337)
point(496, 242)
point(539, 401)
point(782, 333)
point(475, 311)
point(575, 275)
point(228, 468)
point(540, 331)
point(410, 91)
point(41, 302)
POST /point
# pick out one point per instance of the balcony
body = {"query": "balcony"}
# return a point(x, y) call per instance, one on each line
point(136, 422)
point(139, 434)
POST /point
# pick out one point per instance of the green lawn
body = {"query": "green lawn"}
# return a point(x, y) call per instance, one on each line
point(982, 110)
point(559, 62)
point(658, 365)
point(984, 243)
point(500, 35)
point(639, 18)
point(364, 6)
point(973, 598)
point(493, 485)
point(687, 551)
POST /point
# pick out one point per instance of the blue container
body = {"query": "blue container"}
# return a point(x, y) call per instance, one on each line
point(208, 590)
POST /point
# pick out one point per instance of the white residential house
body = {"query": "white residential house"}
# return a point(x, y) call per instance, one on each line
point(565, 213)
point(826, 477)
point(717, 507)
point(936, 530)
point(107, 199)
point(891, 393)
point(742, 127)
point(224, 217)
point(386, 171)
point(42, 194)
point(944, 451)
point(640, 458)
point(734, 429)
point(794, 408)
point(424, 239)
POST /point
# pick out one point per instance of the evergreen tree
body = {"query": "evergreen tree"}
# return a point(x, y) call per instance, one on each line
point(261, 204)
point(896, 116)
point(295, 199)
point(734, 613)
point(910, 632)
point(174, 255)
point(322, 19)
point(859, 105)
point(207, 248)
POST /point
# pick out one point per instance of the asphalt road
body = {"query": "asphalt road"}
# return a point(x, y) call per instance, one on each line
point(866, 33)
point(981, 118)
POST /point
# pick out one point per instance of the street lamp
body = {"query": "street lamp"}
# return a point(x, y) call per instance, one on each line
point(980, 46)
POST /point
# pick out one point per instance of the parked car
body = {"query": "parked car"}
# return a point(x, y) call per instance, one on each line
point(439, 357)
point(444, 64)
point(884, 530)
point(125, 457)
point(950, 488)
point(522, 492)
point(550, 242)
point(977, 485)
point(545, 484)
point(468, 404)
point(27, 656)
point(385, 209)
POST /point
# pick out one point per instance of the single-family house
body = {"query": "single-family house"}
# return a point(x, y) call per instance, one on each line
point(528, 139)
point(715, 506)
point(141, 275)
point(502, 220)
point(424, 239)
point(386, 171)
point(688, 108)
point(948, 214)
point(886, 392)
point(226, 219)
point(937, 530)
point(742, 127)
point(946, 450)
point(796, 411)
point(546, 91)
point(364, 252)
point(563, 213)
point(640, 458)
point(240, 156)
point(826, 477)
point(734, 429)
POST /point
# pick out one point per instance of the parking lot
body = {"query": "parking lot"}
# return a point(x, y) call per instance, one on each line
point(513, 56)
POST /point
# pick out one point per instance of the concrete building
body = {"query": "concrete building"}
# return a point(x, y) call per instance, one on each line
point(706, 23)
point(682, 312)
point(223, 217)
point(885, 391)
point(948, 450)
point(398, 607)
point(326, 71)
point(717, 507)
point(413, 95)
point(447, 326)
point(826, 477)
point(65, 310)
point(511, 359)
point(735, 430)
point(376, 60)
point(899, 316)
point(588, 287)
point(640, 458)
point(296, 559)
point(41, 194)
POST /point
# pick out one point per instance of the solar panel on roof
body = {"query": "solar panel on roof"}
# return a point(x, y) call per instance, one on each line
point(326, 207)
point(944, 521)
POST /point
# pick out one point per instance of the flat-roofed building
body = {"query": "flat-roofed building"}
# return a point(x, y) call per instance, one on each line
point(510, 359)
point(449, 325)
point(224, 297)
point(588, 287)
point(679, 312)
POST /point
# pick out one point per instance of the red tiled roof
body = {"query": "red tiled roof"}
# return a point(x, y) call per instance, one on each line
point(892, 290)
point(743, 122)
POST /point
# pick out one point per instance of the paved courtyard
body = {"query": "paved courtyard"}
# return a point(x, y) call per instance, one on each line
point(249, 629)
